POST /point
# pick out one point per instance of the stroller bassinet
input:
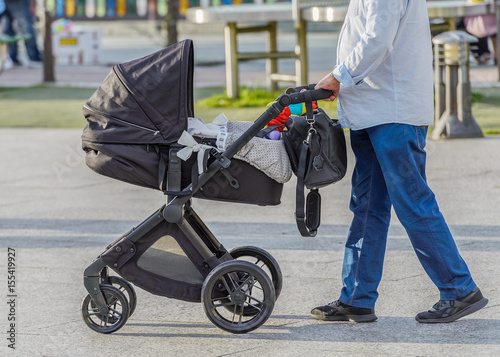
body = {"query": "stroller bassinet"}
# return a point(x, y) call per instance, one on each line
point(140, 111)
point(134, 120)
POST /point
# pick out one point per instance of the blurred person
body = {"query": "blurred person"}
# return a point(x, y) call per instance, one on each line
point(480, 49)
point(483, 27)
point(20, 20)
point(5, 61)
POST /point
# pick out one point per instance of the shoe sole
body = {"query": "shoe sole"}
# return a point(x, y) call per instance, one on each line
point(350, 318)
point(467, 311)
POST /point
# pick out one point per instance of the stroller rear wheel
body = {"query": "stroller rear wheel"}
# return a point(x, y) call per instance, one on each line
point(114, 319)
point(233, 287)
point(127, 289)
point(264, 260)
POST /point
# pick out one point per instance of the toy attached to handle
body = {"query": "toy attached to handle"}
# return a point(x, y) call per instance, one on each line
point(276, 126)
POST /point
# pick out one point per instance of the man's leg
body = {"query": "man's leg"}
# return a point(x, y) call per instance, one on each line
point(366, 241)
point(401, 154)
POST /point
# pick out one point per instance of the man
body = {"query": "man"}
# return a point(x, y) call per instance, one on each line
point(383, 80)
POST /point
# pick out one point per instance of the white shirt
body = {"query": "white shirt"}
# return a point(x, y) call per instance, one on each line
point(384, 64)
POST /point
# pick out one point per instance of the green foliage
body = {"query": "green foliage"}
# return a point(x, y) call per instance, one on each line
point(43, 107)
point(476, 97)
point(249, 97)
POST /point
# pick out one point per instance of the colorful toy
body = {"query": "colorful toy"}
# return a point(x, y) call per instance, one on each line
point(292, 109)
point(273, 135)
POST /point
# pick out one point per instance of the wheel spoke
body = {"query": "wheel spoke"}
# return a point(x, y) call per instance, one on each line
point(255, 306)
point(241, 314)
point(118, 313)
point(253, 298)
point(226, 284)
point(235, 285)
point(221, 298)
point(223, 304)
point(93, 313)
point(244, 282)
point(112, 301)
point(234, 312)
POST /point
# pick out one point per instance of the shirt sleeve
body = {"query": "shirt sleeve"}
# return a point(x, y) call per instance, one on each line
point(375, 44)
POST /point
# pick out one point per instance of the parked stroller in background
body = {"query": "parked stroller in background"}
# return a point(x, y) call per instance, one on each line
point(134, 120)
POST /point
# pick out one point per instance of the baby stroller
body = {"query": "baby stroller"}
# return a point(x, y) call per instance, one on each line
point(135, 119)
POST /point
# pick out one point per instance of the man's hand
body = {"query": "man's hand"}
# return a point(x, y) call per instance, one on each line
point(331, 83)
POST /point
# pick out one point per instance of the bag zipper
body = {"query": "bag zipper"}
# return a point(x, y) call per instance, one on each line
point(155, 132)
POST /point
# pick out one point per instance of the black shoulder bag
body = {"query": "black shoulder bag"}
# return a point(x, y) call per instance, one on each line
point(317, 150)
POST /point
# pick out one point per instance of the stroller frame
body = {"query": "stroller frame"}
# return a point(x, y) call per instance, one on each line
point(105, 299)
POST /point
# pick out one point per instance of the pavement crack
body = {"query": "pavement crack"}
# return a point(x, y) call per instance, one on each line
point(240, 351)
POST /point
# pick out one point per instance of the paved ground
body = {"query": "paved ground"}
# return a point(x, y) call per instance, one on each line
point(58, 216)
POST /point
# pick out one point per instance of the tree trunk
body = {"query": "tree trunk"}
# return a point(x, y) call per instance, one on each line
point(171, 21)
point(48, 59)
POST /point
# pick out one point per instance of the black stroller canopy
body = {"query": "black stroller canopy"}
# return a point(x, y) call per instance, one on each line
point(144, 101)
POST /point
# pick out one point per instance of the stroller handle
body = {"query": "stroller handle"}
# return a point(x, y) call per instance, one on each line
point(307, 94)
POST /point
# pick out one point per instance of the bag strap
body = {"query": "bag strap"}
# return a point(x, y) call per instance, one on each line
point(309, 105)
point(300, 214)
point(267, 130)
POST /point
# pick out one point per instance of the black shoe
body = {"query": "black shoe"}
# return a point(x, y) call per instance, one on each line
point(451, 310)
point(338, 311)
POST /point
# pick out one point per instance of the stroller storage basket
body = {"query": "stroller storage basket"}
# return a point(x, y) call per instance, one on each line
point(162, 262)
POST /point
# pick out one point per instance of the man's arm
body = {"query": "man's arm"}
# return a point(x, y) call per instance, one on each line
point(375, 44)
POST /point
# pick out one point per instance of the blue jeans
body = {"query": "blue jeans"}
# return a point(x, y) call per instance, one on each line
point(390, 170)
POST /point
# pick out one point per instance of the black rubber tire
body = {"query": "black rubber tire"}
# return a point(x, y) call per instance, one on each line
point(264, 260)
point(118, 311)
point(127, 289)
point(239, 285)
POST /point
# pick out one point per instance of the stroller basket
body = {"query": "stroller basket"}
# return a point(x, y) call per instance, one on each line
point(134, 120)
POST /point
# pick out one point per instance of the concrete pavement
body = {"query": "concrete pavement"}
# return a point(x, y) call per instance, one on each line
point(58, 216)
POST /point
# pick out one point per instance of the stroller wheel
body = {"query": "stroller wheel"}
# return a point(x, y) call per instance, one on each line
point(127, 289)
point(264, 260)
point(114, 319)
point(233, 287)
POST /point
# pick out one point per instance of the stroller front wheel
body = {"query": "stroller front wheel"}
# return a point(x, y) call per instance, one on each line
point(114, 319)
point(127, 289)
point(232, 287)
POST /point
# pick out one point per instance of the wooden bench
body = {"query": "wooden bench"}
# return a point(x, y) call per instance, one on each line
point(240, 19)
